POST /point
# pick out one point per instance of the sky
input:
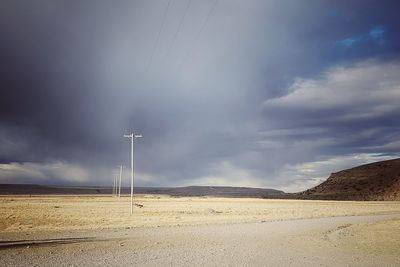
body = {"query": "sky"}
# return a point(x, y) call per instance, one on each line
point(272, 94)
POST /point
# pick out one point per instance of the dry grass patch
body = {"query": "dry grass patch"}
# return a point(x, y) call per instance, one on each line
point(96, 212)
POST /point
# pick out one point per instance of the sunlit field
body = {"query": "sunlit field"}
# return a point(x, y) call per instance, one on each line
point(53, 213)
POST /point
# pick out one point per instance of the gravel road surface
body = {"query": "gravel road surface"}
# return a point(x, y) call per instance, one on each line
point(305, 242)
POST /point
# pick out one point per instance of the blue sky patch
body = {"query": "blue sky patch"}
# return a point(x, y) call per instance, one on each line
point(348, 42)
point(376, 35)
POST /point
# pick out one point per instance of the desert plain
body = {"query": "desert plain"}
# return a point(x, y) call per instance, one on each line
point(90, 230)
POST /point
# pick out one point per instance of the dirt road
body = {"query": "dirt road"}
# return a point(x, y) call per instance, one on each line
point(334, 241)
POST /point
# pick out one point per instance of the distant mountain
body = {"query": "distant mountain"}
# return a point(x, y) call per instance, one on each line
point(219, 191)
point(375, 181)
point(34, 189)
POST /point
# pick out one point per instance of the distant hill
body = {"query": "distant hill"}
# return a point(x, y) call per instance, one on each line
point(375, 181)
point(219, 191)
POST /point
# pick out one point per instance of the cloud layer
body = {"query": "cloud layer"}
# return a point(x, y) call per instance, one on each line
point(236, 93)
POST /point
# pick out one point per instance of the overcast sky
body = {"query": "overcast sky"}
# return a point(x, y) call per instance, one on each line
point(274, 94)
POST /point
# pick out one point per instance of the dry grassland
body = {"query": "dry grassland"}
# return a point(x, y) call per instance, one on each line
point(58, 213)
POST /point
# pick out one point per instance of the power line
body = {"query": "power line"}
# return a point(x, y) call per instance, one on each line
point(158, 36)
point(199, 32)
point(179, 27)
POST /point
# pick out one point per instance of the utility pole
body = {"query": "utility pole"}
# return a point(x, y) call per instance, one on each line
point(132, 137)
point(113, 189)
point(120, 178)
point(115, 186)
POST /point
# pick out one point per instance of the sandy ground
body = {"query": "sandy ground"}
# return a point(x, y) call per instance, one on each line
point(92, 231)
point(50, 213)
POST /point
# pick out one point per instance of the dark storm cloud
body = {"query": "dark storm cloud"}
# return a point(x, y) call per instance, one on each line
point(215, 96)
point(48, 77)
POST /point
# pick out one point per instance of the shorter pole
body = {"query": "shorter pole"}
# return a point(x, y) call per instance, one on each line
point(113, 191)
point(120, 178)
